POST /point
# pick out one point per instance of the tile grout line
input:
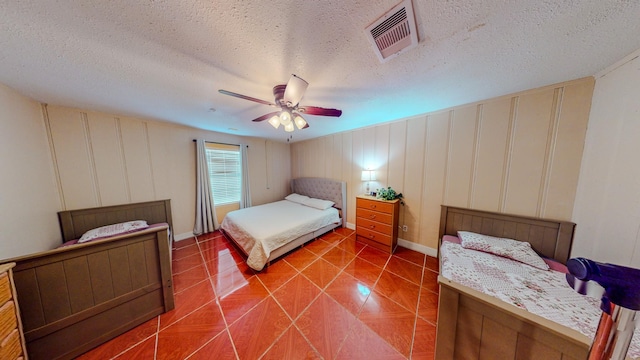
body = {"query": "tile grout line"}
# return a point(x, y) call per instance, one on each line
point(128, 348)
point(155, 347)
point(293, 321)
point(217, 300)
point(294, 325)
point(415, 320)
point(357, 316)
point(322, 291)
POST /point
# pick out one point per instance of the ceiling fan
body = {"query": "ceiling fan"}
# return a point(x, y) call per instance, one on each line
point(287, 98)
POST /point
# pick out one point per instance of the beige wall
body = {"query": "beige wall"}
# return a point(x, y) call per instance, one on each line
point(222, 210)
point(516, 154)
point(103, 159)
point(28, 199)
point(55, 158)
point(607, 207)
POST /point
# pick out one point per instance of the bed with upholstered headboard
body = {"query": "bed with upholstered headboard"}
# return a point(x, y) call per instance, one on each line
point(266, 232)
point(74, 298)
point(474, 325)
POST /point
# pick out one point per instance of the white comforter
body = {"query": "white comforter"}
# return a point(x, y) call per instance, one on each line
point(264, 228)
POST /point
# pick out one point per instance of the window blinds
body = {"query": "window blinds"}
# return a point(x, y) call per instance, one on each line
point(225, 173)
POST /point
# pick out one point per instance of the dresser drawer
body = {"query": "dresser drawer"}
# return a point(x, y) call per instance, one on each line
point(375, 205)
point(10, 347)
point(375, 226)
point(375, 216)
point(5, 288)
point(374, 236)
point(8, 320)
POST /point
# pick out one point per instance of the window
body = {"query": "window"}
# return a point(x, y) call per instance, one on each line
point(225, 172)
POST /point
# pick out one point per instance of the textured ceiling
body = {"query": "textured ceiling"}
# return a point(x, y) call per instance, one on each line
point(167, 59)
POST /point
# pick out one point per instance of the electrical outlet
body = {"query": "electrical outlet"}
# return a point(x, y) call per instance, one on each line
point(405, 228)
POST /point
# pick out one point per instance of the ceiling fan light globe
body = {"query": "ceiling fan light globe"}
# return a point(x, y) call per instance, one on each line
point(285, 118)
point(295, 90)
point(275, 121)
point(289, 127)
point(299, 121)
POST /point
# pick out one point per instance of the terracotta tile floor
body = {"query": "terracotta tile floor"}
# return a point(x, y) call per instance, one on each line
point(335, 298)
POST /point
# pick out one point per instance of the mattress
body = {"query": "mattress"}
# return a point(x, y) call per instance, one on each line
point(261, 229)
point(544, 293)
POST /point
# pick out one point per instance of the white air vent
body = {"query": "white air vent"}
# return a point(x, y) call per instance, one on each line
point(394, 32)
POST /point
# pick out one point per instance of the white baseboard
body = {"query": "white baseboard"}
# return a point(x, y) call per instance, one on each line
point(183, 236)
point(351, 226)
point(418, 247)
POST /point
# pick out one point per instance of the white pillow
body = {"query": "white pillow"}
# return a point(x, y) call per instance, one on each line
point(297, 198)
point(112, 230)
point(516, 250)
point(318, 203)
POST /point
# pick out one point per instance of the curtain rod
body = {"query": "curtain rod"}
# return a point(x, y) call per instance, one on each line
point(221, 143)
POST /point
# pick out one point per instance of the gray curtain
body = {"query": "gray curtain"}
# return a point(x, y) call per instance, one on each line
point(206, 220)
point(245, 198)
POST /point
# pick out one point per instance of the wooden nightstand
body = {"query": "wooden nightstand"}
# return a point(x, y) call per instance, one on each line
point(377, 222)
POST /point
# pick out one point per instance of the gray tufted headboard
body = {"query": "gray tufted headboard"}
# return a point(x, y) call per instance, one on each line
point(322, 188)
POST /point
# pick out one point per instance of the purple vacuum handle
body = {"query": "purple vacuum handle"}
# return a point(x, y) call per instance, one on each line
point(621, 284)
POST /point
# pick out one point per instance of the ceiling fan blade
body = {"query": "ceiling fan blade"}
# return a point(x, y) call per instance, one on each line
point(245, 97)
point(266, 116)
point(294, 91)
point(306, 126)
point(314, 110)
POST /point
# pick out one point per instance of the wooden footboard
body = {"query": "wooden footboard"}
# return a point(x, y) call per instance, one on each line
point(472, 325)
point(75, 298)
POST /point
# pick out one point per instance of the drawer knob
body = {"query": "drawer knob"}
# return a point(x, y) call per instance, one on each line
point(371, 236)
point(372, 226)
point(372, 216)
point(373, 206)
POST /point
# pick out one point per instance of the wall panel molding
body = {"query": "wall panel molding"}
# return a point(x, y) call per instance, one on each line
point(91, 157)
point(513, 114)
point(132, 159)
point(488, 155)
point(145, 129)
point(54, 158)
point(474, 155)
point(552, 137)
point(123, 158)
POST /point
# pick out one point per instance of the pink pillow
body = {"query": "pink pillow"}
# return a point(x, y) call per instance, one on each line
point(556, 266)
point(516, 250)
point(451, 238)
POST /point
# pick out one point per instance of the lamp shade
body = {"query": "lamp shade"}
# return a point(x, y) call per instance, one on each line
point(289, 127)
point(368, 175)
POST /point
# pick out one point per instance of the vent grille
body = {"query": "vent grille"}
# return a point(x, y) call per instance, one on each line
point(394, 32)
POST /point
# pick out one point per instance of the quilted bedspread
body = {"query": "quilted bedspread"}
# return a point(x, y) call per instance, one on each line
point(544, 293)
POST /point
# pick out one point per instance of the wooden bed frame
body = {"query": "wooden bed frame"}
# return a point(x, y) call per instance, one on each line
point(75, 298)
point(472, 325)
point(319, 188)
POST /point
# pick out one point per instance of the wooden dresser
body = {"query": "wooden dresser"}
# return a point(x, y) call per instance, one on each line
point(12, 345)
point(377, 222)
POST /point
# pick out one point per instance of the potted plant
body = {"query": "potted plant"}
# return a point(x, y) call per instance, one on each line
point(388, 194)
